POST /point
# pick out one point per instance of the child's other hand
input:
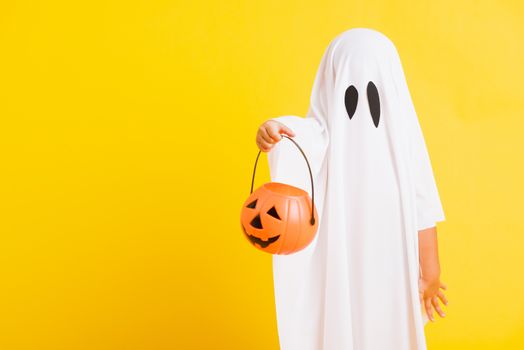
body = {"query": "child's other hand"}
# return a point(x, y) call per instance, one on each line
point(429, 293)
point(269, 134)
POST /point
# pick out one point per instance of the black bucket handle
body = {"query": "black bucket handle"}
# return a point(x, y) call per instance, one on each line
point(312, 221)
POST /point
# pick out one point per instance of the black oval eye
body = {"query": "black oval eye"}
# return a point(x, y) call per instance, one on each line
point(374, 103)
point(350, 100)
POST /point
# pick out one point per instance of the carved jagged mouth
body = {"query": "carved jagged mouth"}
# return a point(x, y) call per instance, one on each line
point(259, 241)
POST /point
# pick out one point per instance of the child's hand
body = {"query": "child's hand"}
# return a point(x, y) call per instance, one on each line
point(429, 293)
point(269, 134)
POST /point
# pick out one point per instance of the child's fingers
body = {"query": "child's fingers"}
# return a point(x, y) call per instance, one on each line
point(263, 145)
point(429, 310)
point(434, 301)
point(284, 129)
point(273, 133)
point(443, 286)
point(442, 297)
point(265, 135)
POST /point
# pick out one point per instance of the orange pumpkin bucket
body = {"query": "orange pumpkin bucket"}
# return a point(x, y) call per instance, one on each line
point(279, 218)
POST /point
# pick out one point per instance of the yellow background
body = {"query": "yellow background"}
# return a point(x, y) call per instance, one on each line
point(127, 139)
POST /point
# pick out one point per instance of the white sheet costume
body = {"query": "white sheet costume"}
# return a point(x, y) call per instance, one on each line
point(356, 285)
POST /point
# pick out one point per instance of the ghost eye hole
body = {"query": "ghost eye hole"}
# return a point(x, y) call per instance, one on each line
point(350, 100)
point(374, 102)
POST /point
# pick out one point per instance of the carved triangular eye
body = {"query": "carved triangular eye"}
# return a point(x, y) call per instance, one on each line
point(350, 100)
point(252, 204)
point(273, 213)
point(374, 103)
point(256, 223)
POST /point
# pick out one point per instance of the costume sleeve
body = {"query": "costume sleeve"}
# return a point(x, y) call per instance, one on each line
point(286, 163)
point(429, 206)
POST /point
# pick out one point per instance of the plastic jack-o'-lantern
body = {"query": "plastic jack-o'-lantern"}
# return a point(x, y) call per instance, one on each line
point(279, 218)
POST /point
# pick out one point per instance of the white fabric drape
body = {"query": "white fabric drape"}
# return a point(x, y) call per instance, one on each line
point(356, 285)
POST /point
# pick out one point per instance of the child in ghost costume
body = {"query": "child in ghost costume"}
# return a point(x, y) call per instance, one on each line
point(356, 285)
